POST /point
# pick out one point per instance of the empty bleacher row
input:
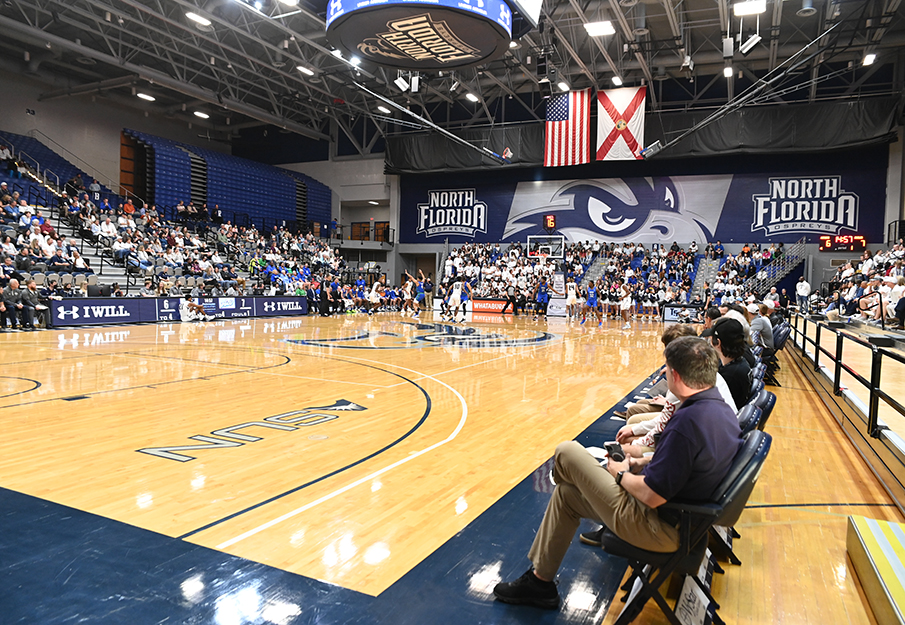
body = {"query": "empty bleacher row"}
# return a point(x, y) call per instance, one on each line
point(268, 195)
point(43, 167)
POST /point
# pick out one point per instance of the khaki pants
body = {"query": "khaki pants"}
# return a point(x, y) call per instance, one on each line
point(584, 489)
point(644, 416)
point(642, 406)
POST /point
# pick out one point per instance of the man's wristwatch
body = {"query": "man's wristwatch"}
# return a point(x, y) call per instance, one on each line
point(619, 477)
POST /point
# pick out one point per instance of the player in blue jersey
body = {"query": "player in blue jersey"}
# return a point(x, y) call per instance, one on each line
point(541, 298)
point(418, 303)
point(591, 303)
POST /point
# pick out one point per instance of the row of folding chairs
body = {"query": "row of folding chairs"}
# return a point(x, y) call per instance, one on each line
point(701, 525)
point(76, 279)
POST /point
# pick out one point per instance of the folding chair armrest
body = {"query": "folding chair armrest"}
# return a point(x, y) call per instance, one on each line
point(696, 508)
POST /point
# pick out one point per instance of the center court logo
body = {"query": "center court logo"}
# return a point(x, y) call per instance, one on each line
point(232, 437)
point(452, 211)
point(429, 335)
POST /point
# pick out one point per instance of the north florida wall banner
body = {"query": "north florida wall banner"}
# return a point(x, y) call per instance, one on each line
point(733, 208)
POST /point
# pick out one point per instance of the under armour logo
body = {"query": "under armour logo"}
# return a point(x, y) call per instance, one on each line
point(269, 306)
point(73, 312)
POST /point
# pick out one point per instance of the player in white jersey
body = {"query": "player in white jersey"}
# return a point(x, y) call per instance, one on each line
point(625, 305)
point(407, 295)
point(458, 295)
point(572, 298)
point(376, 295)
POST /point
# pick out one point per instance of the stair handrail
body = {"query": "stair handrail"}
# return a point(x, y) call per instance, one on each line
point(779, 268)
point(83, 165)
point(37, 167)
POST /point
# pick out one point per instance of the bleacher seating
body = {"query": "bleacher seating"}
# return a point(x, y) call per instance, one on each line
point(50, 161)
point(237, 185)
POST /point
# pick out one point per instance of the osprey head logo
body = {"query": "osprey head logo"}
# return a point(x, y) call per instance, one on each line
point(613, 209)
point(269, 306)
point(63, 312)
point(618, 213)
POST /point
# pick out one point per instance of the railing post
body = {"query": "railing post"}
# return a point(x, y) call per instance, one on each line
point(816, 347)
point(874, 404)
point(837, 375)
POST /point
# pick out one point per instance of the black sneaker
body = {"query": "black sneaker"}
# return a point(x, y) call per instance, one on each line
point(595, 538)
point(528, 590)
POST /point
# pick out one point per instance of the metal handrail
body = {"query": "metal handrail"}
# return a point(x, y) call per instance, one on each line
point(25, 154)
point(875, 394)
point(85, 166)
point(779, 267)
point(47, 174)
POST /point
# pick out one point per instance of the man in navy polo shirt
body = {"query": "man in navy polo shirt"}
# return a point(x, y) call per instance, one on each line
point(694, 453)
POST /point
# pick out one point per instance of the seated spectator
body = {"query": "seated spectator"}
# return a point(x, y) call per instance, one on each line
point(79, 264)
point(24, 259)
point(694, 453)
point(728, 338)
point(122, 248)
point(8, 271)
point(19, 306)
point(148, 289)
point(108, 232)
point(57, 263)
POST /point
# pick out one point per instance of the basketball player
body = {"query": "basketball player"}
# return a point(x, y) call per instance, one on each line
point(190, 311)
point(458, 297)
point(419, 293)
point(376, 295)
point(407, 293)
point(591, 303)
point(571, 298)
point(625, 305)
point(541, 298)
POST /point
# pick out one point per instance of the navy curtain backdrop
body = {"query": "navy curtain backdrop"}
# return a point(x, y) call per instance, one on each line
point(751, 130)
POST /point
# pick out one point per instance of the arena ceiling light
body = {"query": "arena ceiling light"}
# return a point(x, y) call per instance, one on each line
point(373, 203)
point(198, 19)
point(563, 85)
point(727, 71)
point(402, 83)
point(355, 61)
point(617, 81)
point(599, 29)
point(749, 7)
point(202, 115)
point(384, 110)
point(305, 70)
point(472, 97)
point(869, 58)
point(145, 96)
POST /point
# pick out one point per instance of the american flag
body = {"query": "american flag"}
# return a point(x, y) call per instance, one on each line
point(568, 129)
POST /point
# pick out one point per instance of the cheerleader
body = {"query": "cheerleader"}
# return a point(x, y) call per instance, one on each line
point(646, 303)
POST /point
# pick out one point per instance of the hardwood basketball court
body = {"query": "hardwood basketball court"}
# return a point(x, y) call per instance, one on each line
point(352, 450)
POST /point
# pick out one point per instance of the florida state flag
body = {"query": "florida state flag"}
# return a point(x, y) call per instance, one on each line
point(620, 124)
